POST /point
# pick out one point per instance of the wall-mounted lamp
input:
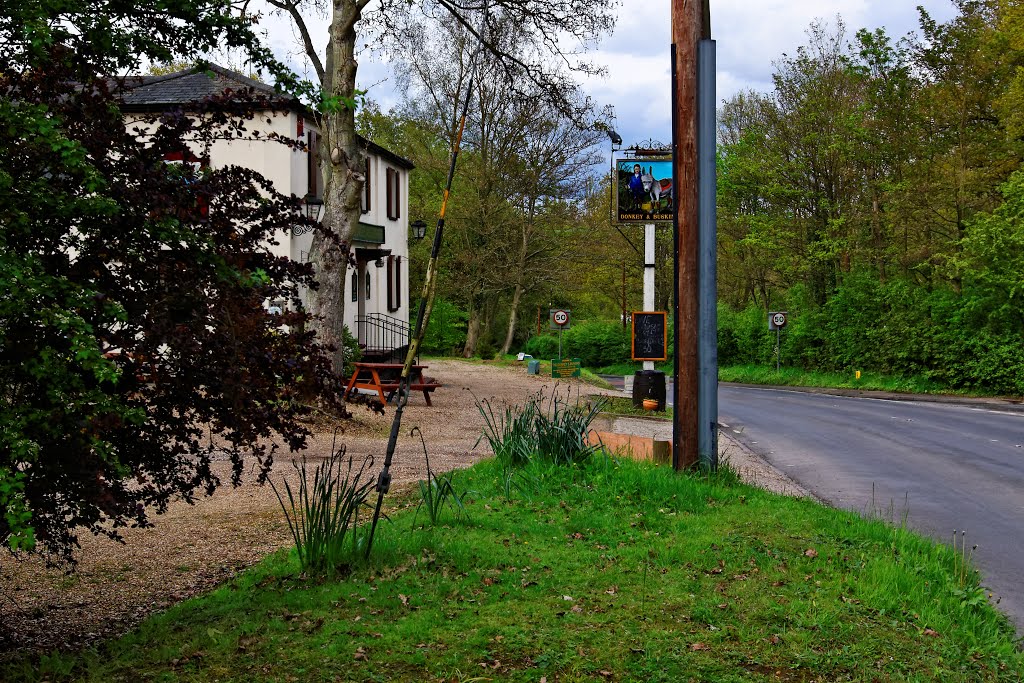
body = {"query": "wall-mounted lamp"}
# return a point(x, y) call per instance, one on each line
point(419, 229)
point(314, 207)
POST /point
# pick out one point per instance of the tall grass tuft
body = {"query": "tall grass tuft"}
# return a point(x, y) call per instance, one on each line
point(552, 430)
point(323, 513)
point(509, 431)
point(437, 493)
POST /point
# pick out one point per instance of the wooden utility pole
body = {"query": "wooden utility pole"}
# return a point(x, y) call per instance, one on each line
point(687, 29)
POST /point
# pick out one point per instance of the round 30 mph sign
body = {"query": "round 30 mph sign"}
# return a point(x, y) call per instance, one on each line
point(561, 318)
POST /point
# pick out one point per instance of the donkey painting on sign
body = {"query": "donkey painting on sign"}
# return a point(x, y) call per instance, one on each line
point(658, 191)
point(644, 189)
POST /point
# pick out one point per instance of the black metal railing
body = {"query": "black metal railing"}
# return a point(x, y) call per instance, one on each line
point(384, 339)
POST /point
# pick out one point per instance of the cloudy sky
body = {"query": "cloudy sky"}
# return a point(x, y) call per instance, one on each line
point(750, 35)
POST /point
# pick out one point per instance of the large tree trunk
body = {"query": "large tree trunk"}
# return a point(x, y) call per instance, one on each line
point(342, 165)
point(513, 318)
point(472, 329)
point(524, 247)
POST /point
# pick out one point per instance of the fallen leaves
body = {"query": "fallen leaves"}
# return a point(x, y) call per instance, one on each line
point(696, 647)
point(811, 552)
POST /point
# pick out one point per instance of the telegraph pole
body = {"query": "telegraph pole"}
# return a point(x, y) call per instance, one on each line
point(687, 29)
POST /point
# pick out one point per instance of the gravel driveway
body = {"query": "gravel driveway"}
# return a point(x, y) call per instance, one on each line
point(192, 548)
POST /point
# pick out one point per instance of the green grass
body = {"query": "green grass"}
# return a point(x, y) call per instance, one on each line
point(606, 571)
point(617, 405)
point(760, 374)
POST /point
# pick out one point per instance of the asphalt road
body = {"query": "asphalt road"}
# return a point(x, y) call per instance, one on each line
point(944, 466)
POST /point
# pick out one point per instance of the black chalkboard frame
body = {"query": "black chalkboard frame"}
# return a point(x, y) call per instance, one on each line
point(637, 315)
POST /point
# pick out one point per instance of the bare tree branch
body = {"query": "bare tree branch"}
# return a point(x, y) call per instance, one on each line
point(293, 11)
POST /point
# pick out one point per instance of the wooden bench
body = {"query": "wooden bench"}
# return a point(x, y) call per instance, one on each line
point(384, 378)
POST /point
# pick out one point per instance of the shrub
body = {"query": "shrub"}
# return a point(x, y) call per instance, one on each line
point(597, 343)
point(446, 332)
point(542, 346)
point(353, 353)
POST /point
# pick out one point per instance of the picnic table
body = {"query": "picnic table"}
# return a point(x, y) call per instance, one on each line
point(385, 377)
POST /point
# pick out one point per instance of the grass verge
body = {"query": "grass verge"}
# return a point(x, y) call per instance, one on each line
point(607, 571)
point(795, 377)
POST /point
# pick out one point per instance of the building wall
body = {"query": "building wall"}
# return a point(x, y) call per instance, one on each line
point(287, 168)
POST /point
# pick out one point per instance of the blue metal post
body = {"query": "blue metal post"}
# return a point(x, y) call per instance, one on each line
point(707, 352)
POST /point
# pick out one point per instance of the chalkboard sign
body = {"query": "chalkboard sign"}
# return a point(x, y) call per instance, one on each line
point(650, 336)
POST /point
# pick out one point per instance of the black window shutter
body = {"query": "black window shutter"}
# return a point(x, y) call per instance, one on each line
point(391, 283)
point(367, 191)
point(388, 190)
point(398, 282)
point(398, 196)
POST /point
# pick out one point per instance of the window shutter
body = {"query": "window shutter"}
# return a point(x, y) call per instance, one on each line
point(398, 196)
point(390, 191)
point(394, 283)
point(398, 282)
point(367, 188)
point(313, 168)
point(391, 280)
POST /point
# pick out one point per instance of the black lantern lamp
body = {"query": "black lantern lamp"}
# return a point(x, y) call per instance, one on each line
point(419, 229)
point(314, 207)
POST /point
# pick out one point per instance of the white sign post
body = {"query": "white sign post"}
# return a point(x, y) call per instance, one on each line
point(776, 321)
point(560, 319)
point(649, 277)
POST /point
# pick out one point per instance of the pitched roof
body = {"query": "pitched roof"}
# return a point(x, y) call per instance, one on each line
point(191, 85)
point(156, 93)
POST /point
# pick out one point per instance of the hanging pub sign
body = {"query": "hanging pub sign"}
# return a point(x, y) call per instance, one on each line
point(644, 189)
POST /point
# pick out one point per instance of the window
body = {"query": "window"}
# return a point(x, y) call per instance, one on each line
point(190, 168)
point(300, 127)
point(366, 275)
point(393, 195)
point(394, 283)
point(366, 188)
point(315, 184)
point(355, 285)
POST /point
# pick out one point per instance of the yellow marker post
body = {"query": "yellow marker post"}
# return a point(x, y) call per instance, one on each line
point(858, 374)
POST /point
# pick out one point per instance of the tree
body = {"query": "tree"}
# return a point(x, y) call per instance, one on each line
point(134, 345)
point(525, 165)
point(549, 28)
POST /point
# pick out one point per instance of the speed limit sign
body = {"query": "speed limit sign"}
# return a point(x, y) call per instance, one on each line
point(559, 319)
point(776, 320)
